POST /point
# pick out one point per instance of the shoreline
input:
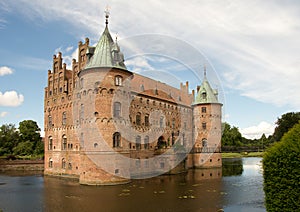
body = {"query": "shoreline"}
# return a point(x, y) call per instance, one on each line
point(21, 165)
point(241, 154)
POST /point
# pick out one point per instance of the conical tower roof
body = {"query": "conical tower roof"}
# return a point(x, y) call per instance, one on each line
point(107, 52)
point(206, 95)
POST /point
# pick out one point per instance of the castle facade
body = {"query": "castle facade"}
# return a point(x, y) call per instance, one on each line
point(106, 125)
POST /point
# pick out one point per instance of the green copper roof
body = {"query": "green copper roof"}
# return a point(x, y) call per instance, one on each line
point(206, 94)
point(106, 54)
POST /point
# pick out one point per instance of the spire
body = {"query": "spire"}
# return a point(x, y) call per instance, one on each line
point(107, 52)
point(206, 95)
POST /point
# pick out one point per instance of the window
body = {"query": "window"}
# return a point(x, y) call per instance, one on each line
point(63, 163)
point(70, 166)
point(81, 140)
point(50, 121)
point(204, 142)
point(50, 163)
point(204, 126)
point(117, 109)
point(95, 145)
point(204, 95)
point(81, 82)
point(146, 142)
point(138, 142)
point(116, 139)
point(203, 109)
point(81, 112)
point(64, 142)
point(64, 118)
point(118, 80)
point(173, 123)
point(138, 119)
point(147, 120)
point(50, 143)
point(161, 122)
point(184, 124)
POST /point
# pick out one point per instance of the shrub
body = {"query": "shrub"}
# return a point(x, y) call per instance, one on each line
point(281, 164)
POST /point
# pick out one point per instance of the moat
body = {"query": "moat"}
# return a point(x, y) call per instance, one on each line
point(238, 186)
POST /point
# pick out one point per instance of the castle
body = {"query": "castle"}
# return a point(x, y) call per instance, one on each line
point(106, 125)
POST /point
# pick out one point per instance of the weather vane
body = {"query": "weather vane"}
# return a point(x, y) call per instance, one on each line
point(106, 11)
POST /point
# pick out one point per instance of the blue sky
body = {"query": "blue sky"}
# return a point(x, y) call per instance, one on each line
point(251, 48)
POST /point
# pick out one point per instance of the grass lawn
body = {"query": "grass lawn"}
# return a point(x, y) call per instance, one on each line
point(241, 154)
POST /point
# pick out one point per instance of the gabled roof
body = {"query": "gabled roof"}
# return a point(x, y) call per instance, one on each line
point(106, 53)
point(206, 95)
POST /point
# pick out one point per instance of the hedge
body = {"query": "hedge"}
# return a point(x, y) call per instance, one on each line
point(281, 164)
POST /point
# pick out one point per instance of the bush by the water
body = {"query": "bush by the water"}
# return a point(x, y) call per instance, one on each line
point(281, 166)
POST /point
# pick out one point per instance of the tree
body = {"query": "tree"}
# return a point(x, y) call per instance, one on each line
point(29, 131)
point(231, 136)
point(281, 173)
point(23, 148)
point(9, 138)
point(286, 122)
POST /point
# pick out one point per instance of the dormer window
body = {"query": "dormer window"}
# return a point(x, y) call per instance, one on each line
point(204, 95)
point(118, 80)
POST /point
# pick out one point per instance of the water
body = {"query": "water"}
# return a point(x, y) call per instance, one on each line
point(239, 189)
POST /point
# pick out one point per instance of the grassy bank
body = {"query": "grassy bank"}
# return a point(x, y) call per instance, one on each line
point(241, 154)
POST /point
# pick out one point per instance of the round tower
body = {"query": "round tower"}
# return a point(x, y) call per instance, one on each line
point(207, 114)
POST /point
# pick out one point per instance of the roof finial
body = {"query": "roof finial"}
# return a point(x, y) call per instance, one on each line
point(106, 11)
point(116, 37)
point(204, 70)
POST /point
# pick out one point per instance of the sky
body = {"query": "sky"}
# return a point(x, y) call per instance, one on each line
point(251, 49)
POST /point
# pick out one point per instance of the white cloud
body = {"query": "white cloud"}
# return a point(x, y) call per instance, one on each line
point(3, 114)
point(257, 131)
point(11, 99)
point(4, 70)
point(255, 43)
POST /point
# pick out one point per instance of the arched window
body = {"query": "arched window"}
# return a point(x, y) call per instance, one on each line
point(118, 80)
point(64, 142)
point(50, 163)
point(81, 115)
point(138, 142)
point(204, 125)
point(138, 119)
point(70, 166)
point(173, 123)
point(64, 118)
point(50, 143)
point(81, 140)
point(63, 163)
point(147, 120)
point(116, 139)
point(117, 109)
point(204, 142)
point(146, 142)
point(161, 122)
point(204, 94)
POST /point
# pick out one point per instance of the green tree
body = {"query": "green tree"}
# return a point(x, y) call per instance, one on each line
point(23, 148)
point(231, 136)
point(9, 138)
point(30, 132)
point(281, 173)
point(284, 124)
